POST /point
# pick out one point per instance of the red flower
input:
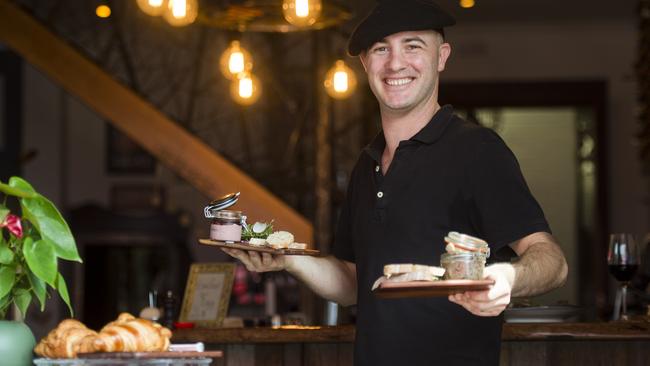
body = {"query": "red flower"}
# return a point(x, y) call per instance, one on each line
point(12, 223)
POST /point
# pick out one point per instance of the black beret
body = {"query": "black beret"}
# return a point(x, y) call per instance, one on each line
point(394, 16)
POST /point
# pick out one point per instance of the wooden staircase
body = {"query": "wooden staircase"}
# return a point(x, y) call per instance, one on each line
point(179, 150)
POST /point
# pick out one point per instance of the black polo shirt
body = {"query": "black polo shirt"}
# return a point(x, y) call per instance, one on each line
point(451, 176)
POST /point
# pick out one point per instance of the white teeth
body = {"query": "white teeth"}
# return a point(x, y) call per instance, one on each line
point(397, 82)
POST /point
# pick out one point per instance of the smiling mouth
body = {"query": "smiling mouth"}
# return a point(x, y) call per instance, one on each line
point(398, 82)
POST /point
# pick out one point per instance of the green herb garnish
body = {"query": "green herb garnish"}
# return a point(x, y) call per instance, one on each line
point(260, 230)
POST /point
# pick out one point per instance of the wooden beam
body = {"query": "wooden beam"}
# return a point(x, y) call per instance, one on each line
point(182, 152)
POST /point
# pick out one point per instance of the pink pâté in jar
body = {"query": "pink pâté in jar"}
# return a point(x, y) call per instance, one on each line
point(226, 225)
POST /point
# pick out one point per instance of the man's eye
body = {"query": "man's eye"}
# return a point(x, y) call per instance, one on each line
point(412, 46)
point(379, 49)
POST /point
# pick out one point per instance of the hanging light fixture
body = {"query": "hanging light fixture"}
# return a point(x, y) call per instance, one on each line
point(103, 11)
point(250, 15)
point(180, 13)
point(301, 13)
point(340, 81)
point(235, 60)
point(152, 7)
point(245, 88)
point(466, 4)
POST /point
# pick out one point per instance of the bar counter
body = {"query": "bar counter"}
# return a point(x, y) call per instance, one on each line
point(610, 343)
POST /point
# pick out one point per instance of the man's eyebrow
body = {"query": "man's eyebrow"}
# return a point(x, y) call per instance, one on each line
point(414, 39)
point(405, 40)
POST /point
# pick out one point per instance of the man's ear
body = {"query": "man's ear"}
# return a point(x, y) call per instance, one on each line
point(444, 51)
point(362, 58)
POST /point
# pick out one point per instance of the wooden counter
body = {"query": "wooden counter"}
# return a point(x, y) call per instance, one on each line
point(532, 344)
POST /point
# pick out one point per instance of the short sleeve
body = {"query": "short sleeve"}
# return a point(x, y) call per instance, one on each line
point(505, 209)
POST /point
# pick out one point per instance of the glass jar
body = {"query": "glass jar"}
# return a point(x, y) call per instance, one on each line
point(463, 266)
point(463, 243)
point(226, 225)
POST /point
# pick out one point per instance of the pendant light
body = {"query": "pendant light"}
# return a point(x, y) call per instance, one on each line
point(180, 13)
point(301, 13)
point(235, 60)
point(340, 81)
point(245, 89)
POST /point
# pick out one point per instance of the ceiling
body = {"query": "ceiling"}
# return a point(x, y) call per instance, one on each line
point(535, 10)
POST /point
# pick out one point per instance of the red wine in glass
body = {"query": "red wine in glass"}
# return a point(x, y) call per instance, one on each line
point(623, 272)
point(623, 261)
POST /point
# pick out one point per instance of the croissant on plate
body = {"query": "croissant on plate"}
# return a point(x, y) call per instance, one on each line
point(131, 334)
point(126, 334)
point(66, 340)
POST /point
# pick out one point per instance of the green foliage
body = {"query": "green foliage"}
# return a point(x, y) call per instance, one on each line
point(29, 257)
point(260, 230)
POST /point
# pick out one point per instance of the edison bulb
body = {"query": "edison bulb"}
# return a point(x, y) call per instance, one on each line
point(466, 4)
point(340, 81)
point(235, 60)
point(103, 11)
point(245, 88)
point(180, 13)
point(302, 13)
point(152, 7)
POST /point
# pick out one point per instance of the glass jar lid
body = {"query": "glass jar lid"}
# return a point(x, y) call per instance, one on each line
point(220, 203)
point(467, 242)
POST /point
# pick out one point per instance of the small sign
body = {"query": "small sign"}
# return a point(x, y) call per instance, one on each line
point(207, 293)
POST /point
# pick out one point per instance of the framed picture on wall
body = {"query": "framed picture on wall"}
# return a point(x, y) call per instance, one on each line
point(125, 156)
point(207, 293)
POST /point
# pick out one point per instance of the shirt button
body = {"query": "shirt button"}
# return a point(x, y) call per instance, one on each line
point(377, 168)
point(380, 194)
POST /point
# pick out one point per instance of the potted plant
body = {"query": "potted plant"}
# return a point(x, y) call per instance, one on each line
point(32, 239)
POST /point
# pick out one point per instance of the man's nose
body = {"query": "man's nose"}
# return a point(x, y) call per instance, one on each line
point(395, 61)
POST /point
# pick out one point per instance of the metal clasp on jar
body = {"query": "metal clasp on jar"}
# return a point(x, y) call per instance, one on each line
point(459, 243)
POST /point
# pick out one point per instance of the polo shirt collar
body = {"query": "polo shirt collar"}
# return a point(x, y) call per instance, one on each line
point(427, 135)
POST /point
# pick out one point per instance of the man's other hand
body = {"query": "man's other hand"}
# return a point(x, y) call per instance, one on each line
point(493, 301)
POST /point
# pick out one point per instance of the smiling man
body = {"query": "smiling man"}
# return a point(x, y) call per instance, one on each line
point(427, 173)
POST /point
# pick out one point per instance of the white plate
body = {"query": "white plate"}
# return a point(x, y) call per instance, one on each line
point(542, 314)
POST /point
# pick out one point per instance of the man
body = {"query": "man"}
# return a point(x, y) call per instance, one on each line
point(427, 173)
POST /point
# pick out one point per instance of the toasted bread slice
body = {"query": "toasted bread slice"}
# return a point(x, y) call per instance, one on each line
point(402, 268)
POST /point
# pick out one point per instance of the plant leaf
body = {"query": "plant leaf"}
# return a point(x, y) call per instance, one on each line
point(63, 291)
point(38, 287)
point(4, 304)
point(17, 187)
point(20, 183)
point(4, 301)
point(41, 259)
point(22, 299)
point(4, 211)
point(7, 278)
point(6, 254)
point(51, 225)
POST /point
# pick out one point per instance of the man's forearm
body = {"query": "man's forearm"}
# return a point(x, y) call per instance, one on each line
point(331, 278)
point(540, 268)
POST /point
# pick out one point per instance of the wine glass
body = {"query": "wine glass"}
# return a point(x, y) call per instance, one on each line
point(623, 261)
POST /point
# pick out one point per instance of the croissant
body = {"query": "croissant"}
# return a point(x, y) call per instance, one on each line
point(131, 334)
point(66, 340)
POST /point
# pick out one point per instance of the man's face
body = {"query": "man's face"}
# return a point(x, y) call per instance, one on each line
point(403, 69)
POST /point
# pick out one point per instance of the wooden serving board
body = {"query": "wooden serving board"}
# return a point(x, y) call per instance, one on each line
point(245, 246)
point(130, 355)
point(389, 289)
